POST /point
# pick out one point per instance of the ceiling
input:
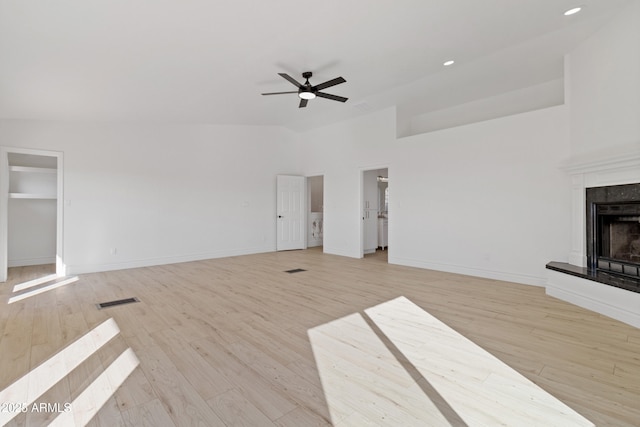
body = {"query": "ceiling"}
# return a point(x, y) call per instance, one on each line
point(207, 61)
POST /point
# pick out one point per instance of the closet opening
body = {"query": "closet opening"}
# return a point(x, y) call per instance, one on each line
point(31, 207)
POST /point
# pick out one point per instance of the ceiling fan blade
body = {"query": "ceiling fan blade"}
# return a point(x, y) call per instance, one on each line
point(330, 83)
point(331, 97)
point(279, 93)
point(290, 79)
point(303, 103)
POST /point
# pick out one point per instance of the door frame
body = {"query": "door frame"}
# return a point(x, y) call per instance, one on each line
point(308, 211)
point(361, 199)
point(4, 206)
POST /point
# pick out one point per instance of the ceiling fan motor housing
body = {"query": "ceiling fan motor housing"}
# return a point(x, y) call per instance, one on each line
point(306, 90)
point(306, 93)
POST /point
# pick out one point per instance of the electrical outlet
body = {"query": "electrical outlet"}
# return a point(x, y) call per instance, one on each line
point(113, 251)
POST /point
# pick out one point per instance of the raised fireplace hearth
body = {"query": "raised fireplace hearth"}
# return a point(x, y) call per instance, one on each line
point(613, 229)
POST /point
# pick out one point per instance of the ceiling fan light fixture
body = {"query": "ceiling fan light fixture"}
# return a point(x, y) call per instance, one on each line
point(572, 11)
point(306, 95)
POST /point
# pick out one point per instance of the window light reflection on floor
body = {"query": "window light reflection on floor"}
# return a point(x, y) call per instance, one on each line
point(89, 402)
point(35, 383)
point(395, 364)
point(43, 289)
point(35, 282)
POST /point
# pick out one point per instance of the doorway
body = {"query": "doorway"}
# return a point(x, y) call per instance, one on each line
point(375, 210)
point(299, 227)
point(31, 209)
point(315, 211)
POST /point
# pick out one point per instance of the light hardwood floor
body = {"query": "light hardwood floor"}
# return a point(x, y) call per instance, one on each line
point(229, 342)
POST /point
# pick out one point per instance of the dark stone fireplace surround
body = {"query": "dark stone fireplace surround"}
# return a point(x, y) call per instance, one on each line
point(600, 202)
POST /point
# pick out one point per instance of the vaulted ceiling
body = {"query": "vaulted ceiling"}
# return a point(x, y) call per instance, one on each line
point(207, 61)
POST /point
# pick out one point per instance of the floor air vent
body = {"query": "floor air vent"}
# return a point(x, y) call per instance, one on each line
point(116, 302)
point(295, 270)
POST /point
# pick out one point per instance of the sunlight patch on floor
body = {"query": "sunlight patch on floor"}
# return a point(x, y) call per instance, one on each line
point(35, 282)
point(361, 378)
point(89, 402)
point(27, 389)
point(395, 364)
point(43, 289)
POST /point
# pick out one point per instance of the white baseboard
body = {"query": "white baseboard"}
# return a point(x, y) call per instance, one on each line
point(95, 268)
point(340, 252)
point(470, 271)
point(31, 261)
point(610, 301)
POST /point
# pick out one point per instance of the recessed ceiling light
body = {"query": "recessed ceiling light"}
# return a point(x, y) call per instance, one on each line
point(449, 62)
point(572, 11)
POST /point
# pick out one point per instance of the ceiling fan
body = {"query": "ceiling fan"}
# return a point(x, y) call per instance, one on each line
point(306, 91)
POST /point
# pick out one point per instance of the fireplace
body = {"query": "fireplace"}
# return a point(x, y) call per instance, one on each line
point(613, 229)
point(601, 271)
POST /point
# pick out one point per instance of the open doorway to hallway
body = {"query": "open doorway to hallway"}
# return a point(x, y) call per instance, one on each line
point(375, 211)
point(315, 211)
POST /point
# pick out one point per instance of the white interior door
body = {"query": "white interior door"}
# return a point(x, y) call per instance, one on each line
point(291, 202)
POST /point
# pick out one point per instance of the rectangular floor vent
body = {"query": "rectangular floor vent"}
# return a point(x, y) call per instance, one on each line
point(117, 302)
point(295, 270)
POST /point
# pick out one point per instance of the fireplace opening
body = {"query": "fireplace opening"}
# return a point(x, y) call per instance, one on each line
point(618, 238)
point(613, 229)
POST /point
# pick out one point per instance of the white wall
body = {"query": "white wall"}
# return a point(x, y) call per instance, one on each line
point(342, 151)
point(169, 193)
point(531, 98)
point(31, 238)
point(160, 194)
point(486, 199)
point(603, 87)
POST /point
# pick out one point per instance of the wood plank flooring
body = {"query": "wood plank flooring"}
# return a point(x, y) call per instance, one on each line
point(237, 341)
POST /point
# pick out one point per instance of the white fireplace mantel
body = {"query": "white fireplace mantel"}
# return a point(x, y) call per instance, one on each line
point(616, 167)
point(605, 161)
